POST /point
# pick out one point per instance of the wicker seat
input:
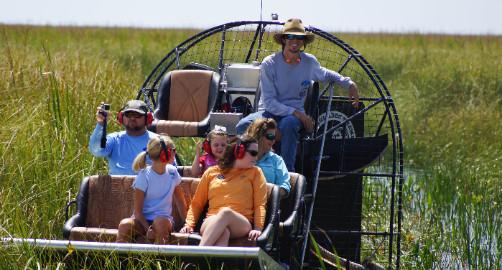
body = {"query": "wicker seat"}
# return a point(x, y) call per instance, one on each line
point(103, 201)
point(267, 239)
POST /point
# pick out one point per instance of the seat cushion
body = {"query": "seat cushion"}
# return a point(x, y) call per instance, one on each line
point(184, 239)
point(99, 235)
point(189, 95)
point(111, 198)
point(93, 234)
point(195, 238)
point(185, 171)
point(241, 242)
point(293, 177)
point(190, 186)
point(177, 128)
point(182, 199)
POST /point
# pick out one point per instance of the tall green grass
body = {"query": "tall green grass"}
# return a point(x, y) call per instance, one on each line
point(448, 90)
point(51, 82)
point(449, 95)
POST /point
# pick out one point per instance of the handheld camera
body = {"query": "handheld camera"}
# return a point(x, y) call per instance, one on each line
point(105, 107)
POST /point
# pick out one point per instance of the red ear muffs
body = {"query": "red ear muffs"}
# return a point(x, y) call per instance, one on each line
point(120, 117)
point(206, 145)
point(164, 156)
point(149, 118)
point(239, 150)
point(165, 153)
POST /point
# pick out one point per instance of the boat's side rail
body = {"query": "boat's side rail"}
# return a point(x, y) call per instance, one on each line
point(264, 261)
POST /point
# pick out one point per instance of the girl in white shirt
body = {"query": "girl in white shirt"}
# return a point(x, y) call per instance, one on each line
point(153, 193)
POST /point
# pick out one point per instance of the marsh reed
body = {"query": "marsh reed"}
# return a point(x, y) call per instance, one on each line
point(448, 90)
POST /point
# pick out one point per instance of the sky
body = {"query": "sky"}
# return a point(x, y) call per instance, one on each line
point(478, 17)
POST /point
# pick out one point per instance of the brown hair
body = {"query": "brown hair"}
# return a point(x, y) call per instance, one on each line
point(153, 149)
point(260, 126)
point(228, 159)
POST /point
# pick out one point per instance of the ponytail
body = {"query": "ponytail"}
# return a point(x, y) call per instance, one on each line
point(153, 149)
point(139, 162)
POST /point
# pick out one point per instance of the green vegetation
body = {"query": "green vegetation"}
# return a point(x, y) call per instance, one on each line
point(448, 90)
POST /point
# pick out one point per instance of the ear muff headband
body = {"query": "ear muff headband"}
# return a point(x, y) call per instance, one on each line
point(120, 117)
point(239, 150)
point(206, 145)
point(148, 117)
point(165, 153)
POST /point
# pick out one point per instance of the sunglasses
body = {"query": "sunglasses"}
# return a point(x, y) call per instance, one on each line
point(253, 153)
point(270, 136)
point(133, 115)
point(298, 37)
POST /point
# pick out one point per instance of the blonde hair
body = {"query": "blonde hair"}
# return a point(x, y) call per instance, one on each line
point(260, 126)
point(153, 149)
point(217, 131)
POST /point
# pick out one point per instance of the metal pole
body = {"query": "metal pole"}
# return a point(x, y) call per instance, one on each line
point(129, 248)
point(316, 177)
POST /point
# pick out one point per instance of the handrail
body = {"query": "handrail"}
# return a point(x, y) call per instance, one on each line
point(316, 177)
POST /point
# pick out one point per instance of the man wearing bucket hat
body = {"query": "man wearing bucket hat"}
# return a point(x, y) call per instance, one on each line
point(122, 147)
point(285, 78)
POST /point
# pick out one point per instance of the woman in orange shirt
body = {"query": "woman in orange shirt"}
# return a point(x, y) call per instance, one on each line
point(236, 193)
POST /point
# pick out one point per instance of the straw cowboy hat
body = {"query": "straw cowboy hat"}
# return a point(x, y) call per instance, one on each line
point(294, 27)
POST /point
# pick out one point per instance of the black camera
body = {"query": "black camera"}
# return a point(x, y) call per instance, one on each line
point(105, 107)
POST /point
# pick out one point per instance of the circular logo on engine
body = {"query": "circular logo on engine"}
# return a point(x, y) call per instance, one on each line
point(335, 118)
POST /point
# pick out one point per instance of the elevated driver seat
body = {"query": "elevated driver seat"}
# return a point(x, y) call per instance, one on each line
point(185, 99)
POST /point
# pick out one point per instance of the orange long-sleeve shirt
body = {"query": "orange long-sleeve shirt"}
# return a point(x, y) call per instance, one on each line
point(243, 190)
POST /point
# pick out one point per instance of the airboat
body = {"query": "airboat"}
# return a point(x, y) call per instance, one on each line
point(345, 206)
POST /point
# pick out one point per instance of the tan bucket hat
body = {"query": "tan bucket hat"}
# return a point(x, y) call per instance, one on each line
point(294, 27)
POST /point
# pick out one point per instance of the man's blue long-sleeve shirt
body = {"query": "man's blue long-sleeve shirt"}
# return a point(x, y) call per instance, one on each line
point(121, 149)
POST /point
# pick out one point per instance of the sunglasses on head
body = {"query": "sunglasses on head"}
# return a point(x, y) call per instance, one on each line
point(253, 153)
point(270, 136)
point(291, 36)
point(133, 115)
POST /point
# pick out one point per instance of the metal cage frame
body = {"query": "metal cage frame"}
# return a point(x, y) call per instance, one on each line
point(171, 61)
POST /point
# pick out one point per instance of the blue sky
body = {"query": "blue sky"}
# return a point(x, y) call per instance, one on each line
point(419, 16)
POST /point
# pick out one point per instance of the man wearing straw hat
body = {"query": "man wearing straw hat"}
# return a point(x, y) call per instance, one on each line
point(285, 78)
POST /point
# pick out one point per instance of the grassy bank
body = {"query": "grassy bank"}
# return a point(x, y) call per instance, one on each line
point(448, 90)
